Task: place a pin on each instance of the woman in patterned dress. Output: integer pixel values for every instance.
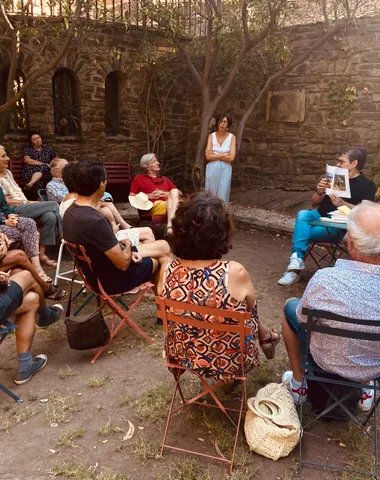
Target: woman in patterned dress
(201, 235)
(37, 159)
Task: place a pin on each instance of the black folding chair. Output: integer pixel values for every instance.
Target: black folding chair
(338, 389)
(5, 329)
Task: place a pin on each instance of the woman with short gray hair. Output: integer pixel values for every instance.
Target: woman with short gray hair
(153, 192)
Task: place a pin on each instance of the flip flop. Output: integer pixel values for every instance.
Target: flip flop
(271, 351)
(54, 293)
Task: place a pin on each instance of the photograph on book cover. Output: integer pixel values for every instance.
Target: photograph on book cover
(338, 181)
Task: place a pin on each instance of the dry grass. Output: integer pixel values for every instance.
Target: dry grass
(108, 428)
(243, 474)
(259, 377)
(109, 474)
(21, 415)
(77, 471)
(60, 408)
(5, 424)
(185, 469)
(143, 449)
(67, 439)
(126, 400)
(153, 404)
(67, 372)
(98, 381)
(361, 457)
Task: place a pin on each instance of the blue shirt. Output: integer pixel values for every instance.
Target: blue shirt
(56, 190)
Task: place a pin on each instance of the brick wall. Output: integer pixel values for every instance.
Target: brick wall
(91, 61)
(273, 154)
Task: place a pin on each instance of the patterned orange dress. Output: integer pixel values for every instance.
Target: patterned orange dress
(210, 354)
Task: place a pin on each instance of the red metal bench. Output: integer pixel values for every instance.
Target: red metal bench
(15, 166)
(119, 173)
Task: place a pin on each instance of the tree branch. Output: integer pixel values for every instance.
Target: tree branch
(70, 33)
(193, 70)
(210, 22)
(287, 68)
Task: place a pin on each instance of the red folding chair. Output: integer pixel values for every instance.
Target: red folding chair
(238, 329)
(114, 302)
(155, 219)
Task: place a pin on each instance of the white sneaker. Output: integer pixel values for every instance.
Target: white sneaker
(366, 402)
(289, 278)
(296, 263)
(299, 394)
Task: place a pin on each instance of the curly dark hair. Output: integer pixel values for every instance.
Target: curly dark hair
(201, 228)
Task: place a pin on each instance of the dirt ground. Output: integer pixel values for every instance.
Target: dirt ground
(75, 415)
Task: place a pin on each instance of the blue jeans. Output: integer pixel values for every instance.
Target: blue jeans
(290, 312)
(304, 233)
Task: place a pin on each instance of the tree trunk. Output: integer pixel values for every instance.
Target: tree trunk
(4, 119)
(198, 169)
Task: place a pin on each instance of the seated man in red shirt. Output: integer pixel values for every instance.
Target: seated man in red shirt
(160, 190)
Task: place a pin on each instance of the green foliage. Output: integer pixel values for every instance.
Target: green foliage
(342, 96)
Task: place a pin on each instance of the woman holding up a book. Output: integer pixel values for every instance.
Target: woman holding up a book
(220, 153)
(361, 188)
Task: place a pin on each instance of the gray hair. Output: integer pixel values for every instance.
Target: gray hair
(2, 147)
(363, 227)
(146, 159)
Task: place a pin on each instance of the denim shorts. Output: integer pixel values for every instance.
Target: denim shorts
(290, 311)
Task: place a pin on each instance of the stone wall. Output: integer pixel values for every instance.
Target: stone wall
(91, 59)
(293, 155)
(273, 154)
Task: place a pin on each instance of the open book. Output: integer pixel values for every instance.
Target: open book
(338, 181)
(339, 216)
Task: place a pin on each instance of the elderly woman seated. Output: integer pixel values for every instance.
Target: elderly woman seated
(160, 190)
(201, 235)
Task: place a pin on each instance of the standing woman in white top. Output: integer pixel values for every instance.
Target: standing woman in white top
(220, 153)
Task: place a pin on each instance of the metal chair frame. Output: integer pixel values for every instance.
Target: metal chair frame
(332, 252)
(6, 328)
(240, 329)
(42, 195)
(155, 219)
(114, 301)
(311, 369)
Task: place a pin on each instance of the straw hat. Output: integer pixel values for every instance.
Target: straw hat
(140, 201)
(272, 427)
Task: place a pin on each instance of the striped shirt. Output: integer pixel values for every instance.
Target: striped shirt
(10, 187)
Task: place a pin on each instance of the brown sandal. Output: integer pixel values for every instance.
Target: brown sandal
(47, 262)
(54, 293)
(271, 351)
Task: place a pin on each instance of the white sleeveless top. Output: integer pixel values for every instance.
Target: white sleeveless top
(224, 148)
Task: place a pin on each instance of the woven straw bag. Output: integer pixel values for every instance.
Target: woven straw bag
(272, 427)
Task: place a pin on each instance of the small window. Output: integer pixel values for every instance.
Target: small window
(112, 103)
(18, 119)
(65, 102)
